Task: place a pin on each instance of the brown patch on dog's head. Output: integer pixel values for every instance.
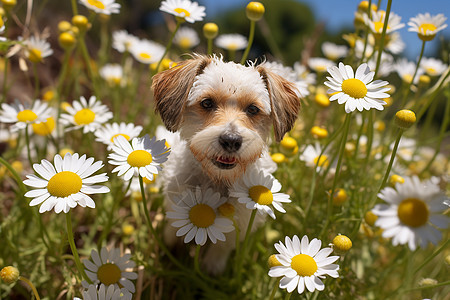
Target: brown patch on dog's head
(171, 89)
(285, 103)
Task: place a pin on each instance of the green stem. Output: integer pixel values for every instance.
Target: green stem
(74, 7)
(250, 41)
(71, 240)
(244, 245)
(31, 285)
(169, 45)
(433, 255)
(383, 34)
(338, 167)
(152, 230)
(275, 289)
(369, 139)
(196, 260)
(391, 161)
(27, 141)
(87, 59)
(59, 96)
(210, 46)
(366, 38)
(16, 176)
(442, 130)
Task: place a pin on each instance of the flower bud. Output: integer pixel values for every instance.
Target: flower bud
(339, 197)
(254, 11)
(9, 274)
(210, 30)
(405, 118)
(9, 4)
(81, 22)
(273, 261)
(288, 146)
(322, 100)
(341, 244)
(64, 26)
(67, 40)
(227, 210)
(370, 218)
(396, 179)
(319, 132)
(278, 157)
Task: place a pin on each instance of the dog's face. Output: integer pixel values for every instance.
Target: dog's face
(225, 111)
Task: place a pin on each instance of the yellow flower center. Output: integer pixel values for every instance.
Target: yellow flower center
(322, 161)
(431, 71)
(182, 12)
(44, 128)
(144, 55)
(413, 212)
(202, 215)
(96, 3)
(304, 265)
(354, 88)
(109, 274)
(139, 158)
(320, 68)
(232, 46)
(35, 55)
(379, 26)
(26, 115)
(407, 78)
(84, 116)
(64, 184)
(424, 28)
(185, 43)
(119, 134)
(261, 195)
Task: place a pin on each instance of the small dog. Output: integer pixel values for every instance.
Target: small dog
(223, 113)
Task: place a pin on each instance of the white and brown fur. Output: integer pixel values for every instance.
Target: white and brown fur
(218, 143)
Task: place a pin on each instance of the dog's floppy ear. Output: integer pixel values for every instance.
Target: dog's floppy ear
(284, 101)
(171, 89)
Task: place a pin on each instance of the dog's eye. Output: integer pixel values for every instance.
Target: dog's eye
(207, 104)
(252, 110)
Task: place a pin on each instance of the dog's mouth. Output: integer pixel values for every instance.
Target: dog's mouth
(225, 162)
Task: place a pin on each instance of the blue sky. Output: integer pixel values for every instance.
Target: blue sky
(337, 13)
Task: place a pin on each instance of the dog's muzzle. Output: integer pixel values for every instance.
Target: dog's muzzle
(230, 142)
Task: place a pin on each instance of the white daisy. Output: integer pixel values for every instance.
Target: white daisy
(386, 66)
(65, 184)
(333, 51)
(303, 74)
(303, 265)
(312, 158)
(319, 64)
(394, 43)
(107, 134)
(231, 42)
(112, 74)
(123, 41)
(36, 49)
(289, 74)
(186, 38)
(356, 90)
(105, 7)
(405, 70)
(110, 268)
(146, 51)
(413, 211)
(376, 22)
(143, 157)
(184, 10)
(258, 190)
(87, 115)
(105, 293)
(197, 217)
(427, 26)
(22, 115)
(433, 66)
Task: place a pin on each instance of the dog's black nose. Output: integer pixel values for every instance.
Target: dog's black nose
(230, 141)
